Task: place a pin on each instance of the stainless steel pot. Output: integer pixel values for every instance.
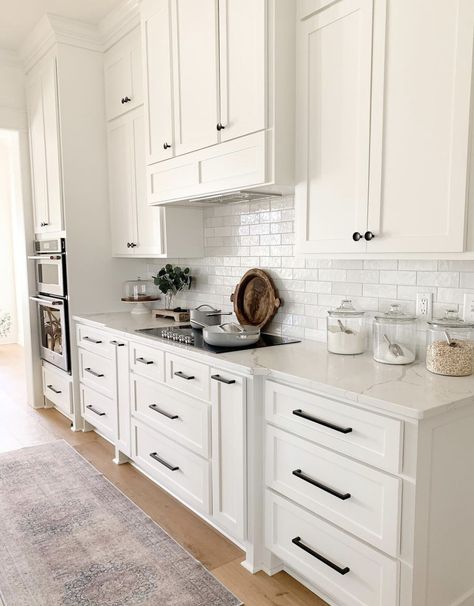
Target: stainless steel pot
(230, 335)
(206, 317)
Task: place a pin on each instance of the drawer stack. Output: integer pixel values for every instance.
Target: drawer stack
(333, 496)
(171, 423)
(97, 373)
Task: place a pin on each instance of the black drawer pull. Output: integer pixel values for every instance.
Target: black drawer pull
(94, 373)
(53, 390)
(222, 379)
(97, 412)
(162, 412)
(143, 361)
(153, 455)
(299, 413)
(181, 375)
(302, 476)
(117, 344)
(297, 541)
(91, 340)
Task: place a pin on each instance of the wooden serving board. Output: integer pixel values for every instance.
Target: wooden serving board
(178, 316)
(255, 298)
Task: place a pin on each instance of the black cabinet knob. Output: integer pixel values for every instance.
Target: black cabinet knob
(356, 236)
(126, 100)
(220, 126)
(132, 244)
(166, 145)
(44, 224)
(369, 236)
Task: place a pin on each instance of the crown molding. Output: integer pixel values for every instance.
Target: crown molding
(119, 22)
(54, 29)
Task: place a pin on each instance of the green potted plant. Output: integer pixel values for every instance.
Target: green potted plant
(172, 280)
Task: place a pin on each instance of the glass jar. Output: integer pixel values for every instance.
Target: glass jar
(394, 337)
(346, 330)
(450, 346)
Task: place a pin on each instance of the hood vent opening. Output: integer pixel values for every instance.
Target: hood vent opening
(243, 195)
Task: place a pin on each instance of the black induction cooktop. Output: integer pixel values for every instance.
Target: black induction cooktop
(186, 335)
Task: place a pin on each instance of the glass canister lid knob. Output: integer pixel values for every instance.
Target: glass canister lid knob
(395, 314)
(346, 308)
(451, 319)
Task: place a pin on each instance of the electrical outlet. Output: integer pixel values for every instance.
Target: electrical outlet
(424, 305)
(468, 307)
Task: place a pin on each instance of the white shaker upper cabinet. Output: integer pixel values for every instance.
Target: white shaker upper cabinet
(333, 126)
(42, 100)
(195, 72)
(423, 53)
(243, 53)
(156, 31)
(123, 76)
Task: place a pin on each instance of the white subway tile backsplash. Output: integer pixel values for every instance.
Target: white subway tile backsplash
(261, 234)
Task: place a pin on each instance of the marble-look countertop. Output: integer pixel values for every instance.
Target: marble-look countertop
(409, 390)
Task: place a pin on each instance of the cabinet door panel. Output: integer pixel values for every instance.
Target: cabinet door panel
(420, 126)
(156, 28)
(53, 158)
(121, 186)
(149, 218)
(195, 74)
(242, 66)
(334, 72)
(37, 153)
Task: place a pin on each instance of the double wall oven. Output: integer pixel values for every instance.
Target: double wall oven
(51, 301)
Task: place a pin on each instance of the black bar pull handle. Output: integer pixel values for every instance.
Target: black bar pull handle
(223, 379)
(91, 340)
(144, 361)
(154, 456)
(298, 542)
(162, 412)
(117, 344)
(53, 389)
(181, 375)
(302, 476)
(97, 412)
(299, 413)
(94, 373)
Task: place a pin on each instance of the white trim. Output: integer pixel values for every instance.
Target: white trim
(119, 22)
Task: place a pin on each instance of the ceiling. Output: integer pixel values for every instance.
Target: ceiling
(18, 17)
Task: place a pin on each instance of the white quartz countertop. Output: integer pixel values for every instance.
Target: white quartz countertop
(409, 390)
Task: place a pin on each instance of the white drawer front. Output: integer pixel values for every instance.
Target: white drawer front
(180, 417)
(372, 577)
(364, 501)
(188, 376)
(147, 361)
(180, 471)
(97, 372)
(369, 437)
(57, 387)
(95, 340)
(98, 410)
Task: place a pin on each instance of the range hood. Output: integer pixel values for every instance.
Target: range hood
(242, 195)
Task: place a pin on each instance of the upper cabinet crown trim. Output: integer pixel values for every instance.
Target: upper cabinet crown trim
(119, 22)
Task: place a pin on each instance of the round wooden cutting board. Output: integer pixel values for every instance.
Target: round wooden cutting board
(255, 298)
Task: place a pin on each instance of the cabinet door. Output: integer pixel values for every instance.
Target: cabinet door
(195, 74)
(423, 62)
(123, 76)
(156, 31)
(242, 66)
(229, 451)
(122, 186)
(149, 219)
(333, 126)
(44, 147)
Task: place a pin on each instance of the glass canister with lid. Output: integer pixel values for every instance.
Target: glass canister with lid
(346, 330)
(450, 346)
(394, 337)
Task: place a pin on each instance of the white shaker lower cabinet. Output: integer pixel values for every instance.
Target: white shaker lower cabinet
(57, 388)
(229, 442)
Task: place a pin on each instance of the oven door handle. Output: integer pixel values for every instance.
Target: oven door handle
(46, 301)
(46, 257)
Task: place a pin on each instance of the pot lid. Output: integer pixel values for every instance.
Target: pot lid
(346, 310)
(451, 319)
(255, 298)
(395, 315)
(209, 308)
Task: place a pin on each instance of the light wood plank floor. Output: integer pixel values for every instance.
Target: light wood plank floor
(22, 426)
